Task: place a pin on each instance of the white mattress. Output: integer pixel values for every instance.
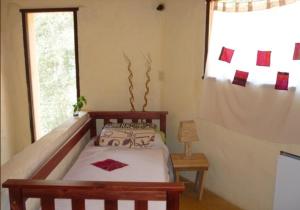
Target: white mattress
(144, 165)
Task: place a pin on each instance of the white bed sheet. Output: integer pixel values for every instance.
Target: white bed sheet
(144, 165)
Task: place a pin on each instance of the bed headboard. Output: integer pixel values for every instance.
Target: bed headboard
(120, 116)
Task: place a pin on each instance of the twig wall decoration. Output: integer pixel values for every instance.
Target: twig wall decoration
(148, 67)
(131, 99)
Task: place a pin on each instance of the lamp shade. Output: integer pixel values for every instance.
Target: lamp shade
(187, 131)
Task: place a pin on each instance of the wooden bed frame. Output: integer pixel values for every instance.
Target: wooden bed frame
(47, 190)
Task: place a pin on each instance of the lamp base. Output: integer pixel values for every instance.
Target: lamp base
(188, 150)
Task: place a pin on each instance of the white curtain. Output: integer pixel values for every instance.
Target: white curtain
(258, 109)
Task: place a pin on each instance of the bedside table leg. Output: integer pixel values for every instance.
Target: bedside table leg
(177, 176)
(197, 180)
(201, 184)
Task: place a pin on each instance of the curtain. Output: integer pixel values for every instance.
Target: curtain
(247, 5)
(243, 87)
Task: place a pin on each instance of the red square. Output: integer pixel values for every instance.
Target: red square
(226, 54)
(282, 82)
(297, 52)
(240, 78)
(109, 164)
(263, 58)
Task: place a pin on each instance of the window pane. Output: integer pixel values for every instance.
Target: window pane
(53, 72)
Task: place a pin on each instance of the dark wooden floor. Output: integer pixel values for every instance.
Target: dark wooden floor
(210, 201)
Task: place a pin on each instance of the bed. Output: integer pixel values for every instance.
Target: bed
(84, 187)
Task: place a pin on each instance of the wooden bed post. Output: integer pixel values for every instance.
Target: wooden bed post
(93, 128)
(173, 200)
(162, 125)
(17, 202)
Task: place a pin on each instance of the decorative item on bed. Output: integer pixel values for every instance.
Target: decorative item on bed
(126, 137)
(130, 135)
(105, 178)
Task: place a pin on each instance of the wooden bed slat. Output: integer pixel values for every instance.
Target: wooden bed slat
(141, 205)
(172, 200)
(134, 116)
(78, 204)
(102, 194)
(93, 128)
(163, 122)
(111, 205)
(16, 199)
(47, 203)
(106, 121)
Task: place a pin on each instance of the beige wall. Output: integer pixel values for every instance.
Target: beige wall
(7, 147)
(110, 28)
(106, 29)
(14, 106)
(242, 168)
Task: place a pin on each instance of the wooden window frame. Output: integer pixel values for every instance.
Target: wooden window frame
(207, 29)
(24, 13)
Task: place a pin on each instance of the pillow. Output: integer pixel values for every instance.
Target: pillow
(143, 137)
(114, 137)
(130, 138)
(142, 125)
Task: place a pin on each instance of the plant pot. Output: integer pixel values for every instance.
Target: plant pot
(76, 114)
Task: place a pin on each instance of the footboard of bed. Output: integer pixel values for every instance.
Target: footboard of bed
(78, 191)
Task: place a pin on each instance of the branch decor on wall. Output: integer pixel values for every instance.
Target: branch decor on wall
(131, 99)
(148, 67)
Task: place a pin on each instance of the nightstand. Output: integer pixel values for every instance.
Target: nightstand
(198, 162)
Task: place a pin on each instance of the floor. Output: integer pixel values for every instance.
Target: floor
(210, 201)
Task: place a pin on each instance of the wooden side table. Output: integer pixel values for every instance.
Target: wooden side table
(198, 162)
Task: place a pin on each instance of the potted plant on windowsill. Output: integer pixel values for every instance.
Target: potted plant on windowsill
(81, 101)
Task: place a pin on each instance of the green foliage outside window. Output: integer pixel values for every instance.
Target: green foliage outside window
(56, 66)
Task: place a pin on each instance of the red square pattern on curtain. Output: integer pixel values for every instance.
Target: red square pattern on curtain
(263, 58)
(282, 82)
(297, 52)
(226, 54)
(240, 78)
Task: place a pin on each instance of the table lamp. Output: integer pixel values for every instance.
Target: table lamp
(187, 133)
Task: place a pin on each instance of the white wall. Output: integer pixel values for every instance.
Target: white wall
(242, 169)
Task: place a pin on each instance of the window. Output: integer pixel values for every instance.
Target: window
(270, 30)
(252, 79)
(51, 58)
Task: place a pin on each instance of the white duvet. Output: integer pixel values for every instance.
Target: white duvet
(143, 165)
